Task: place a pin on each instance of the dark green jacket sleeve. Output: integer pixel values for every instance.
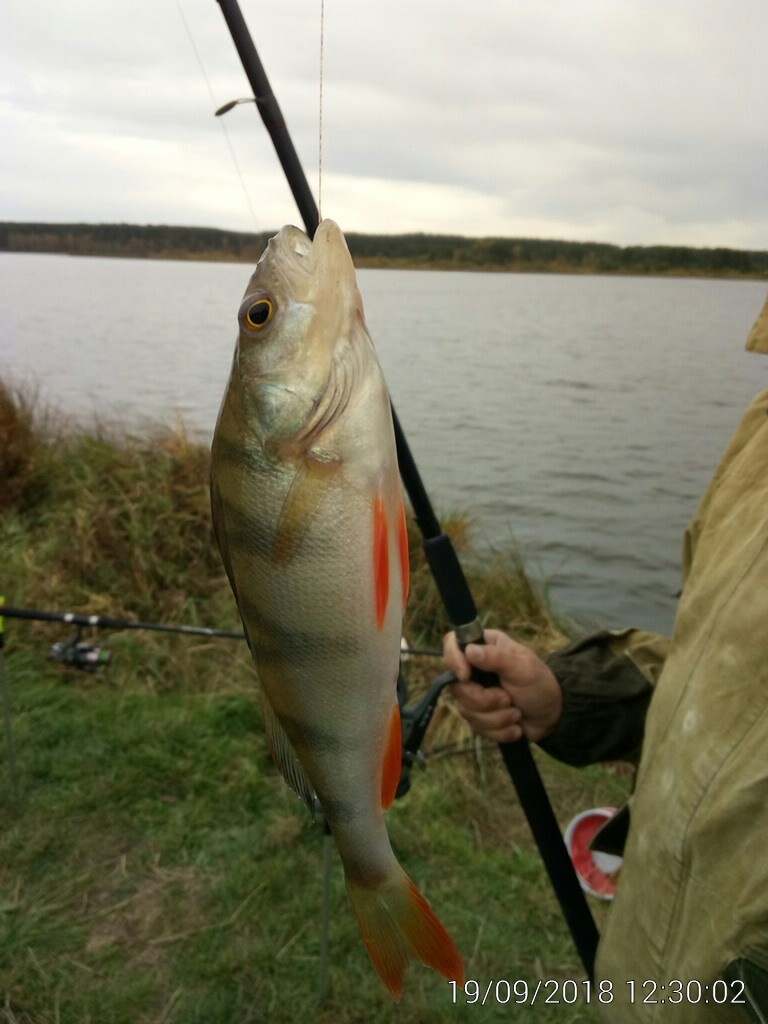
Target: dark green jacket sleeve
(605, 698)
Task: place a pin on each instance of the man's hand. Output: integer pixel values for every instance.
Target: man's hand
(529, 699)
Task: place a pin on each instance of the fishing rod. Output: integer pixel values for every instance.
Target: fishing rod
(441, 556)
(89, 657)
(105, 622)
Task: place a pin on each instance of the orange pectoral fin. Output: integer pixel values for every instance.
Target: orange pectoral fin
(380, 560)
(307, 491)
(393, 760)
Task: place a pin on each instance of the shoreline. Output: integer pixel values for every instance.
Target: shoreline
(368, 263)
(416, 251)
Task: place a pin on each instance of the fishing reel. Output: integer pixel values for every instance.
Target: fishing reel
(416, 718)
(79, 654)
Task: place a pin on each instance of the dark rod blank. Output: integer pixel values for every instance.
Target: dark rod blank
(271, 114)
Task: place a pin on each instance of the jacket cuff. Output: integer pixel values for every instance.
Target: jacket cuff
(605, 701)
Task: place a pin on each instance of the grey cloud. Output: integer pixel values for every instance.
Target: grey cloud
(566, 111)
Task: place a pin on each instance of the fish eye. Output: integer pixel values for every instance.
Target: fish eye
(259, 313)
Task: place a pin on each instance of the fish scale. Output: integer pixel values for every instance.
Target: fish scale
(308, 515)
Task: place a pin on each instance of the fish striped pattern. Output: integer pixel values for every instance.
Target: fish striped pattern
(309, 518)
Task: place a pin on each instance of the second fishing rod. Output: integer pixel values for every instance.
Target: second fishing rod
(440, 553)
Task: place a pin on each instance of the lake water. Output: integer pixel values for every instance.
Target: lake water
(581, 417)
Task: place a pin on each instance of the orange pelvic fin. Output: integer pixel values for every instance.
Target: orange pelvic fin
(380, 560)
(397, 925)
(393, 759)
(402, 540)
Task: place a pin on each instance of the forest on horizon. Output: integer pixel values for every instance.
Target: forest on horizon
(407, 251)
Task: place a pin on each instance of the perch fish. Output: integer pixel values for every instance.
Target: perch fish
(308, 515)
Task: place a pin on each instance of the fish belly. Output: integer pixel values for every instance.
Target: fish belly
(326, 647)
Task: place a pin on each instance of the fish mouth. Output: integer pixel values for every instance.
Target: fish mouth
(306, 265)
(289, 244)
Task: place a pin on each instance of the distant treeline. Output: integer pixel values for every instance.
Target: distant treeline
(446, 252)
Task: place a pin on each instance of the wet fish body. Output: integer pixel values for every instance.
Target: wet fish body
(308, 514)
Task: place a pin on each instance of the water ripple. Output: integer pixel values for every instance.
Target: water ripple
(580, 416)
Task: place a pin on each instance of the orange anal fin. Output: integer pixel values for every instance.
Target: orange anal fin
(380, 560)
(393, 760)
(402, 541)
(398, 925)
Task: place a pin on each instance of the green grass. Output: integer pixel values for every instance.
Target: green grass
(153, 866)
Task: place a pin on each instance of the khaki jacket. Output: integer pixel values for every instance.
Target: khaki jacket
(693, 892)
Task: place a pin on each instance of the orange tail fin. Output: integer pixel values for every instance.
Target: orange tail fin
(398, 925)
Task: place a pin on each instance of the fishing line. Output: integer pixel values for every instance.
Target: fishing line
(441, 555)
(320, 116)
(220, 120)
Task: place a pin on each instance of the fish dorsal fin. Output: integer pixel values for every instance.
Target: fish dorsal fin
(286, 759)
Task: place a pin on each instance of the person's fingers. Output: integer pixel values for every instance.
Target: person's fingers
(474, 697)
(493, 721)
(498, 726)
(508, 735)
(498, 658)
(495, 637)
(454, 658)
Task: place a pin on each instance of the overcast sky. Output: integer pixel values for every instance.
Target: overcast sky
(627, 121)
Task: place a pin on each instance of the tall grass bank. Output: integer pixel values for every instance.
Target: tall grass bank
(153, 866)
